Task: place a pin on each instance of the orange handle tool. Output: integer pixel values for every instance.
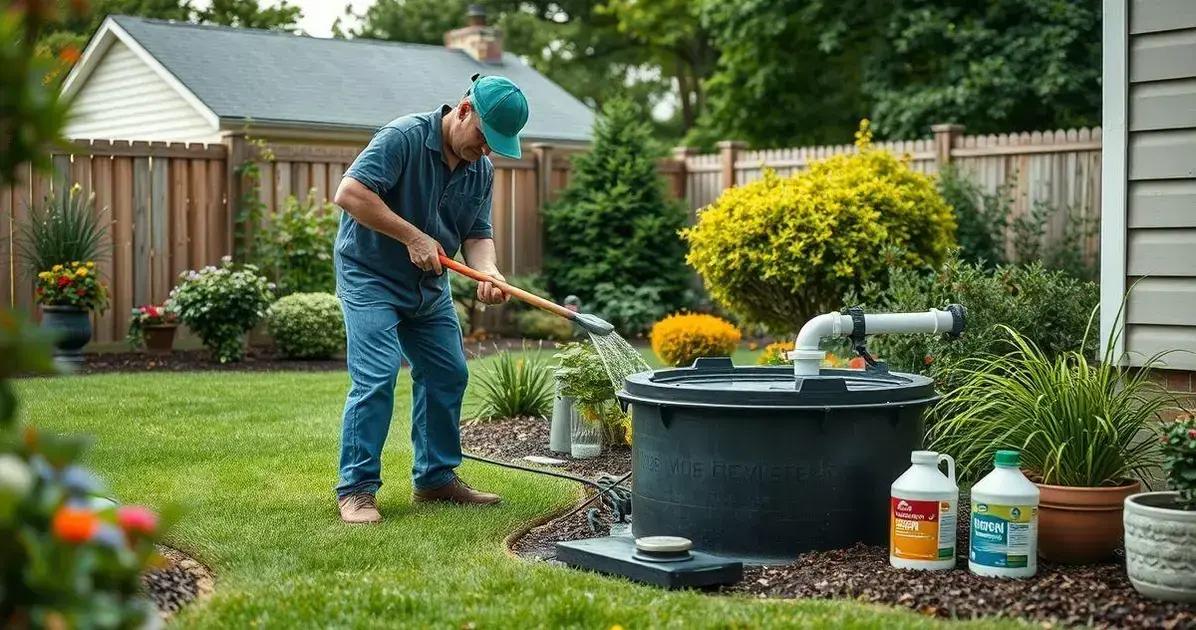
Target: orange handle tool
(530, 298)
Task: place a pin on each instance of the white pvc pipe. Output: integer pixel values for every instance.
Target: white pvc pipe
(807, 358)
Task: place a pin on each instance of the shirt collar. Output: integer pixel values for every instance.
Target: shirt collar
(435, 139)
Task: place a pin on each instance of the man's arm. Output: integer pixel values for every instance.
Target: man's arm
(368, 209)
(480, 254)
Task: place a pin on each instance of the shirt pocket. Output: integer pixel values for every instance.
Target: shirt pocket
(465, 206)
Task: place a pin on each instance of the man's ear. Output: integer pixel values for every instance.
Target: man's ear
(464, 108)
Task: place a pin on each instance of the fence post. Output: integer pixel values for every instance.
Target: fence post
(543, 154)
(730, 152)
(944, 139)
(681, 175)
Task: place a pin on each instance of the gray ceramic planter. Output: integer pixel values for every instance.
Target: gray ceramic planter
(71, 326)
(1160, 547)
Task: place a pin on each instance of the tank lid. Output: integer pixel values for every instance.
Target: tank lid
(716, 382)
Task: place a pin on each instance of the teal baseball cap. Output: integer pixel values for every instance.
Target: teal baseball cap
(503, 110)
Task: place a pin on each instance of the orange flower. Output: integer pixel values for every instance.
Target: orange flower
(70, 54)
(74, 525)
(857, 363)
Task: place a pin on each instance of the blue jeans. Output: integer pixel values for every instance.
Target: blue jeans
(378, 334)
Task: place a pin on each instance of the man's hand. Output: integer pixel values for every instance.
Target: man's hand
(425, 253)
(489, 293)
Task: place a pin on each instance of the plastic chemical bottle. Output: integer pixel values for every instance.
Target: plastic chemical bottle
(923, 505)
(1004, 532)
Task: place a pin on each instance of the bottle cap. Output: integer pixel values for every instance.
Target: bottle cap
(1007, 458)
(924, 457)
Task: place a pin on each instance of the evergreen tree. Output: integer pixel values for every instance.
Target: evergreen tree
(614, 223)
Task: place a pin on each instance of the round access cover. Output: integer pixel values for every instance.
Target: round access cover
(663, 544)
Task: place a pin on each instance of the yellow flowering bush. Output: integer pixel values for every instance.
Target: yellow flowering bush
(783, 249)
(777, 353)
(76, 284)
(679, 339)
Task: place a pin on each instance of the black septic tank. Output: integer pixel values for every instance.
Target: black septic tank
(756, 464)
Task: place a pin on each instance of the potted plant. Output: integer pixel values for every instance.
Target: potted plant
(154, 327)
(1160, 527)
(1085, 431)
(67, 295)
(596, 418)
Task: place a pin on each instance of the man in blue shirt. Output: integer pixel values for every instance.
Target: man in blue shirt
(421, 188)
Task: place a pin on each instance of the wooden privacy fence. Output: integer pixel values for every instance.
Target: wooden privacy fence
(166, 212)
(172, 207)
(1058, 168)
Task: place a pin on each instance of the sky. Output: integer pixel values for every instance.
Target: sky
(318, 15)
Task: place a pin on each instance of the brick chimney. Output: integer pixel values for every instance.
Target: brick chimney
(478, 40)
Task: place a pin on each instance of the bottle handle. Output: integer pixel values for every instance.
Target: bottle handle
(950, 465)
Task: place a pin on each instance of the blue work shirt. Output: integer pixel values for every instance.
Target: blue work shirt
(404, 165)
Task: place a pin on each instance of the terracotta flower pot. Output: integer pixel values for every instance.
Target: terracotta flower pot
(159, 339)
(1081, 525)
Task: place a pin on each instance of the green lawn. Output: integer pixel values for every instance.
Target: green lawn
(251, 458)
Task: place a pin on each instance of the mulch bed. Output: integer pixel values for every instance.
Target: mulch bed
(514, 438)
(257, 359)
(1096, 595)
(180, 582)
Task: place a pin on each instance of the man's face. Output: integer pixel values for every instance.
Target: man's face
(468, 141)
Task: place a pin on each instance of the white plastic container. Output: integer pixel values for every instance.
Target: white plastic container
(1004, 528)
(922, 510)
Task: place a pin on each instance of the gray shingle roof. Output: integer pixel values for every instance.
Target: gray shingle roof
(277, 77)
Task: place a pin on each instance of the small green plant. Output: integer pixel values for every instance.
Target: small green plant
(583, 377)
(1179, 460)
(1077, 423)
(221, 304)
(307, 325)
(61, 231)
(515, 386)
(294, 247)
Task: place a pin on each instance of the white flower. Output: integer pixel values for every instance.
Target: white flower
(15, 477)
(226, 259)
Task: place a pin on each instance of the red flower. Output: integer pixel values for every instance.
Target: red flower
(1192, 434)
(63, 281)
(80, 292)
(74, 525)
(857, 363)
(153, 311)
(135, 519)
(928, 359)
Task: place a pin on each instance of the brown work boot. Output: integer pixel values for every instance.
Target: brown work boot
(359, 507)
(459, 492)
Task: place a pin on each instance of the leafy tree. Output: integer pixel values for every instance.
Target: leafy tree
(250, 14)
(415, 21)
(613, 223)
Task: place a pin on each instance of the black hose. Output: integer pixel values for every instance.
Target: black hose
(603, 489)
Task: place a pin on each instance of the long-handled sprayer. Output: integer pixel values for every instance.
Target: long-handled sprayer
(590, 323)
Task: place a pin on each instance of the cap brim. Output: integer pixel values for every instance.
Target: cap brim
(504, 145)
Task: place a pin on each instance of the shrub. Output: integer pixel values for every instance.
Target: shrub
(515, 386)
(307, 325)
(631, 310)
(679, 339)
(222, 304)
(536, 324)
(61, 231)
(980, 217)
(780, 250)
(583, 377)
(72, 284)
(1066, 251)
(1076, 422)
(1050, 306)
(614, 223)
(294, 247)
(1179, 460)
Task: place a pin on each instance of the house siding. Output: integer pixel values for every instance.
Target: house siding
(125, 99)
(1160, 209)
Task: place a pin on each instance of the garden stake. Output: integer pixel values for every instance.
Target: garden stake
(590, 323)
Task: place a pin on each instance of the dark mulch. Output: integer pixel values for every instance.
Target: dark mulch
(513, 438)
(177, 584)
(257, 359)
(1098, 595)
(540, 542)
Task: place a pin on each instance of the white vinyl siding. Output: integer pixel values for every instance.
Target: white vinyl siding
(125, 99)
(1160, 197)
